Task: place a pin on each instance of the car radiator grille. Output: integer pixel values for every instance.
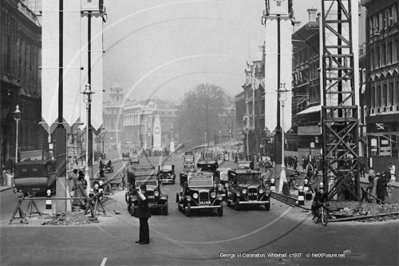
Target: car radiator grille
(252, 191)
(150, 194)
(204, 196)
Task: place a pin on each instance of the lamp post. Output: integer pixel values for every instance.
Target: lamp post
(87, 99)
(282, 94)
(17, 117)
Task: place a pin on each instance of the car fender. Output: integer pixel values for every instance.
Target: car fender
(164, 197)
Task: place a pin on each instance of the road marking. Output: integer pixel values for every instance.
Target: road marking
(103, 262)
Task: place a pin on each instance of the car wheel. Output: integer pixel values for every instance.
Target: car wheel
(127, 196)
(267, 206)
(165, 210)
(237, 204)
(188, 209)
(220, 211)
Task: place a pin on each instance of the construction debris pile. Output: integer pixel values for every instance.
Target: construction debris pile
(70, 218)
(368, 213)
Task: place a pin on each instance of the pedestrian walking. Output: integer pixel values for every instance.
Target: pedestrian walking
(370, 186)
(143, 213)
(381, 187)
(73, 178)
(80, 192)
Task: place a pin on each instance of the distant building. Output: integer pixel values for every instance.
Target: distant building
(20, 43)
(306, 107)
(113, 117)
(138, 126)
(382, 87)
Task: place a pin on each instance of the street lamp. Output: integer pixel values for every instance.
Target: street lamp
(282, 94)
(17, 117)
(87, 99)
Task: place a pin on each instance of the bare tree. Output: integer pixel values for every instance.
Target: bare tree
(202, 110)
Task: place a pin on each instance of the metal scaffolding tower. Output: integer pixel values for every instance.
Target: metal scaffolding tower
(339, 109)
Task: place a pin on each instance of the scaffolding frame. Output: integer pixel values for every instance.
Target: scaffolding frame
(339, 110)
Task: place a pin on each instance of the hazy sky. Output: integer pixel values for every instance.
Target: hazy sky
(167, 47)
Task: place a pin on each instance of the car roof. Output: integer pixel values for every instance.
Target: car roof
(222, 169)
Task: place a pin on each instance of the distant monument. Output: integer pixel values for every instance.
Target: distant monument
(157, 134)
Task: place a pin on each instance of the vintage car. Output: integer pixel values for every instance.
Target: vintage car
(107, 167)
(188, 159)
(134, 158)
(125, 156)
(157, 199)
(199, 193)
(246, 187)
(208, 166)
(166, 174)
(33, 177)
(265, 162)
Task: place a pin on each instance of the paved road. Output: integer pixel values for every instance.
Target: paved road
(204, 239)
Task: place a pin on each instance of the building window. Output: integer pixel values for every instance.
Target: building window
(391, 96)
(371, 59)
(384, 96)
(384, 55)
(377, 57)
(397, 93)
(395, 52)
(390, 59)
(378, 98)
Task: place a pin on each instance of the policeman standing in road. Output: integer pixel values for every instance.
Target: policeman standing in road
(143, 213)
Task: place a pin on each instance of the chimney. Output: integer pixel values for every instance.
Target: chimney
(312, 14)
(297, 25)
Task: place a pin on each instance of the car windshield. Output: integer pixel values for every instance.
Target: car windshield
(200, 182)
(207, 167)
(147, 183)
(166, 167)
(247, 178)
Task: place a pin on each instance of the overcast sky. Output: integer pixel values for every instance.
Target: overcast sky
(168, 47)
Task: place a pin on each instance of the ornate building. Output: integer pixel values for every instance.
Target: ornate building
(382, 82)
(20, 46)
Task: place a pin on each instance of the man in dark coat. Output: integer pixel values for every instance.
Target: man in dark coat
(381, 189)
(143, 213)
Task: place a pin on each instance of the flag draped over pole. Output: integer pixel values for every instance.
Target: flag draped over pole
(75, 64)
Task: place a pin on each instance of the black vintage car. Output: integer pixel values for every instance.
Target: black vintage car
(246, 187)
(166, 174)
(188, 159)
(199, 193)
(156, 199)
(107, 167)
(33, 177)
(208, 166)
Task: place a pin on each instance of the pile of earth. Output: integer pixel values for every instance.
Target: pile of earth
(71, 218)
(370, 212)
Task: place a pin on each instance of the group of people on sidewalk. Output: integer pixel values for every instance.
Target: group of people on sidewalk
(380, 183)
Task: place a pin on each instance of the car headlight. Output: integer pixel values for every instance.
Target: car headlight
(215, 185)
(226, 185)
(195, 195)
(213, 195)
(156, 193)
(261, 191)
(244, 191)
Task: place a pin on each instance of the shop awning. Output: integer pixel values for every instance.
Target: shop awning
(312, 109)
